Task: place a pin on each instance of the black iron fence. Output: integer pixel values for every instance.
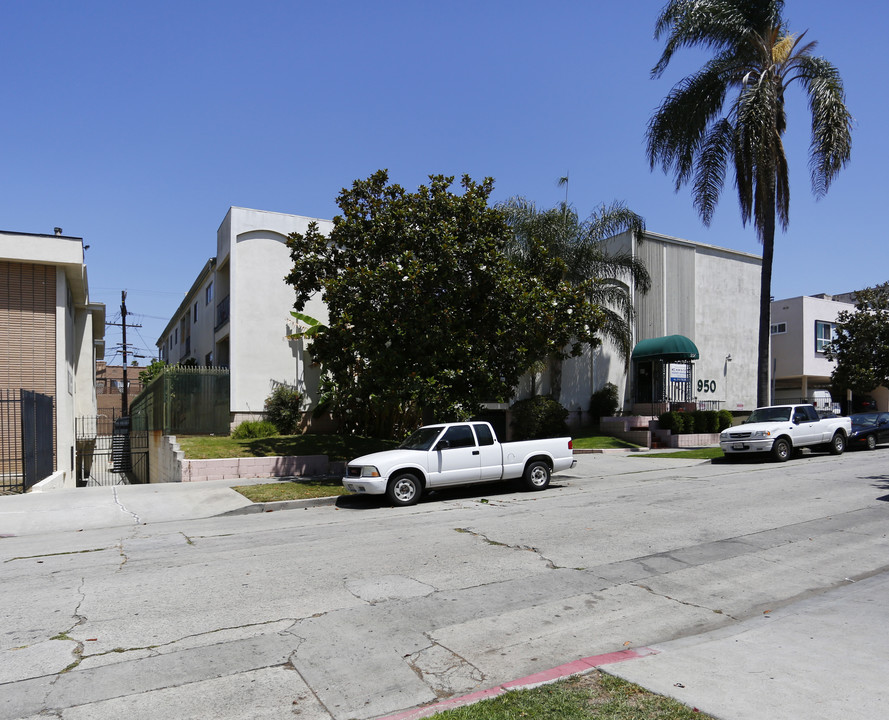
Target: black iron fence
(27, 439)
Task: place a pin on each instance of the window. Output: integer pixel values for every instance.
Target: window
(176, 341)
(208, 294)
(483, 433)
(779, 328)
(195, 312)
(459, 436)
(825, 332)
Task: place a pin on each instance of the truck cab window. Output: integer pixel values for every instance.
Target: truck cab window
(459, 436)
(484, 435)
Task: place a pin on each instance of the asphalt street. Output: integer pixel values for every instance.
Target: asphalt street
(746, 590)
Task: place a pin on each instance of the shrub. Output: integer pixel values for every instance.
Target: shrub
(670, 421)
(254, 429)
(538, 417)
(283, 409)
(697, 421)
(603, 403)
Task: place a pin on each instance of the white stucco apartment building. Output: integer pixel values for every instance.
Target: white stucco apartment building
(51, 334)
(237, 312)
(237, 315)
(700, 293)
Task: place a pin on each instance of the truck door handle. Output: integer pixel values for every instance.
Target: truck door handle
(475, 452)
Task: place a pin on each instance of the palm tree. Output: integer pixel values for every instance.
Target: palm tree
(585, 260)
(733, 111)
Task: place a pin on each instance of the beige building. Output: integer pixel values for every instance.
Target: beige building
(237, 312)
(50, 333)
(801, 328)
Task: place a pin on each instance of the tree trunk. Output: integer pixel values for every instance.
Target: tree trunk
(763, 394)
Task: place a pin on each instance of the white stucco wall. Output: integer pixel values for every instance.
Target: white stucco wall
(727, 323)
(260, 305)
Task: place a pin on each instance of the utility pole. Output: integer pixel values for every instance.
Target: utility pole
(124, 396)
(124, 400)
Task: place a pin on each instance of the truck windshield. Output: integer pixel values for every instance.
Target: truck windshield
(772, 414)
(421, 439)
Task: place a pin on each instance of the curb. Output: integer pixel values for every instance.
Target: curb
(264, 507)
(578, 667)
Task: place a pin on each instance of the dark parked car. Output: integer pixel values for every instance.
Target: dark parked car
(869, 429)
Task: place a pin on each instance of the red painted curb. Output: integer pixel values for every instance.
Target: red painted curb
(542, 678)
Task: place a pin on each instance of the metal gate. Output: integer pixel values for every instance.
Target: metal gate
(27, 442)
(110, 452)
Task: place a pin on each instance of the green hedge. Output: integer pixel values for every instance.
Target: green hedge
(697, 421)
(538, 417)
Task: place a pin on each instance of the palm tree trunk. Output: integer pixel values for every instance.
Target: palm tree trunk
(763, 396)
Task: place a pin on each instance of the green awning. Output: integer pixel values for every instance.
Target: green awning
(669, 348)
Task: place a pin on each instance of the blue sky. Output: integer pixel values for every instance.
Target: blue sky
(137, 125)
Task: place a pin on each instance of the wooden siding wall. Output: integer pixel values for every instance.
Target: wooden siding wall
(28, 327)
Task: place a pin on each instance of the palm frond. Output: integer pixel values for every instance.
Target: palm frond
(831, 144)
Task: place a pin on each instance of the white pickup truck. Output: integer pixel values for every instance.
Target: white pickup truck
(781, 429)
(439, 456)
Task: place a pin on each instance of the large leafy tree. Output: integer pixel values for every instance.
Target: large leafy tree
(732, 113)
(586, 261)
(861, 345)
(426, 310)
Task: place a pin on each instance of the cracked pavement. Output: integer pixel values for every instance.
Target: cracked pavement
(359, 610)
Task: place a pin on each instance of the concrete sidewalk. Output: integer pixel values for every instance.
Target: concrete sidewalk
(116, 506)
(823, 658)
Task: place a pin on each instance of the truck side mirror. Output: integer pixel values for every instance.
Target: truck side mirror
(443, 445)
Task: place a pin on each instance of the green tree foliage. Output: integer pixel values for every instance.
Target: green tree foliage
(732, 112)
(584, 261)
(151, 371)
(426, 311)
(861, 347)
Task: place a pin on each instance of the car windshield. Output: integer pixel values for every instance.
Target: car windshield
(864, 420)
(772, 414)
(421, 439)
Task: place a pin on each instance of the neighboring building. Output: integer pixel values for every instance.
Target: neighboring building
(801, 328)
(110, 388)
(50, 333)
(695, 332)
(237, 312)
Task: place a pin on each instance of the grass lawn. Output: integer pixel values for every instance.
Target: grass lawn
(286, 490)
(588, 439)
(336, 447)
(594, 696)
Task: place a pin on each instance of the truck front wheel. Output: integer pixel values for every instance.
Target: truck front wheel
(536, 476)
(404, 489)
(837, 444)
(781, 450)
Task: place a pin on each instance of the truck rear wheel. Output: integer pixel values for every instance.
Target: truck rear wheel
(536, 476)
(837, 444)
(782, 450)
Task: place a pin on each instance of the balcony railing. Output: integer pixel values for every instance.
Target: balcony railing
(221, 313)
